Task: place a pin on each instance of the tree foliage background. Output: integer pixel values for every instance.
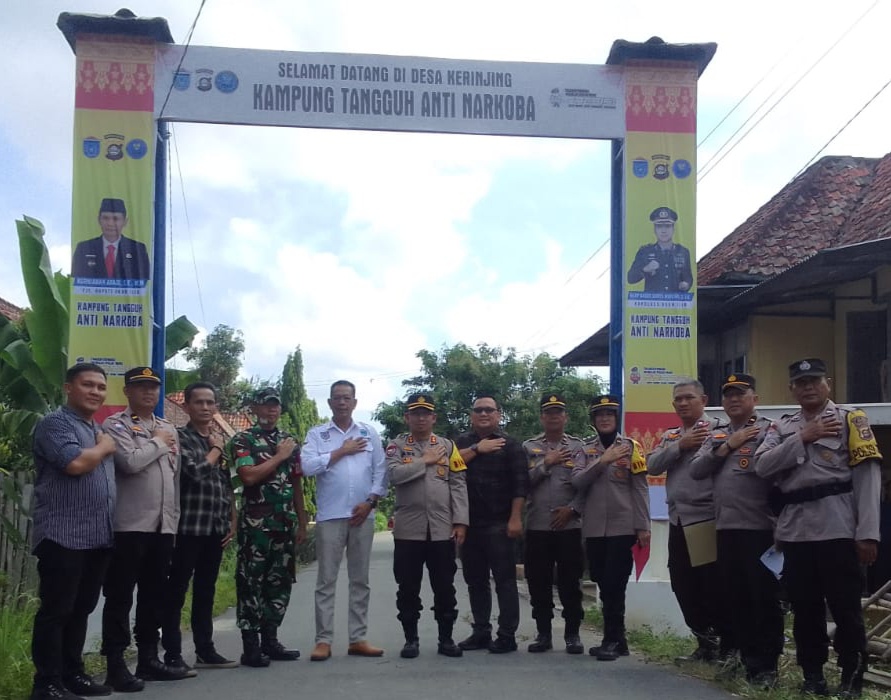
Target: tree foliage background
(457, 375)
(218, 361)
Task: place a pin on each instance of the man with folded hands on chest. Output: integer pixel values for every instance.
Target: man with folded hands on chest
(431, 518)
(553, 527)
(825, 461)
(347, 459)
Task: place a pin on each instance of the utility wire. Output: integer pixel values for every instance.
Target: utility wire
(181, 58)
(189, 228)
(706, 169)
(846, 125)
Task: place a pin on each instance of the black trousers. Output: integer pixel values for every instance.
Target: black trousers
(698, 591)
(752, 597)
(609, 563)
(409, 559)
(818, 574)
(70, 582)
(140, 559)
(195, 559)
(546, 549)
(488, 549)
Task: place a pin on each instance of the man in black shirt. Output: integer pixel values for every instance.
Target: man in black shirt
(497, 484)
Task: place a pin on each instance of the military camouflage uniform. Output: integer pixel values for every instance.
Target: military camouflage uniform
(266, 531)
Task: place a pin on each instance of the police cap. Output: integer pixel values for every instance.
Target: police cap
(141, 374)
(663, 214)
(809, 367)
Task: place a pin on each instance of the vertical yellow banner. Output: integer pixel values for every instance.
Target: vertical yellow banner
(659, 328)
(112, 208)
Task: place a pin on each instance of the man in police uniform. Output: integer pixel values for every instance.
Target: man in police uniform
(147, 463)
(826, 463)
(268, 464)
(744, 527)
(690, 502)
(615, 516)
(664, 265)
(432, 514)
(553, 526)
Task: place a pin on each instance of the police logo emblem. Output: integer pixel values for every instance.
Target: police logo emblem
(205, 79)
(114, 151)
(660, 171)
(440, 471)
(804, 365)
(744, 463)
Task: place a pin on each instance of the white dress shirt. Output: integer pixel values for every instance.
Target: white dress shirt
(352, 478)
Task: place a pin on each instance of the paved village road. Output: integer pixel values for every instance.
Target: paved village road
(478, 675)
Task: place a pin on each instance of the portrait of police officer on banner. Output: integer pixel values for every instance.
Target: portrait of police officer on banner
(663, 266)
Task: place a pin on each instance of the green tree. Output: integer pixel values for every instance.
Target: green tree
(218, 361)
(457, 375)
(299, 414)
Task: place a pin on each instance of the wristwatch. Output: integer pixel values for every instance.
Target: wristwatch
(475, 447)
(371, 501)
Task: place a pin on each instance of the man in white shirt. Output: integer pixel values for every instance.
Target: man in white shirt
(348, 462)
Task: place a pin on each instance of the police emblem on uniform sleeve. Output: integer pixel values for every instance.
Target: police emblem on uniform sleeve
(391, 450)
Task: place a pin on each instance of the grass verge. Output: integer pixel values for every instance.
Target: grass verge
(663, 648)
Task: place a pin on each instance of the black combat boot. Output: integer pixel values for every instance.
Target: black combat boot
(572, 639)
(118, 676)
(271, 647)
(851, 682)
(543, 640)
(412, 646)
(446, 645)
(150, 668)
(706, 649)
(253, 655)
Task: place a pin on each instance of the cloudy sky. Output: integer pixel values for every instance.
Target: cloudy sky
(364, 247)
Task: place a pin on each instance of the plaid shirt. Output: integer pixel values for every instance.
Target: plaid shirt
(205, 489)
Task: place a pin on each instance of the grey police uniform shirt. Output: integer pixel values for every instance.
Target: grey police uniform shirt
(146, 474)
(617, 502)
(429, 498)
(689, 500)
(784, 459)
(551, 486)
(741, 496)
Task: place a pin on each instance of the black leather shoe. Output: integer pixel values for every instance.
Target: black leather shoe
(152, 669)
(703, 654)
(609, 651)
(83, 685)
(447, 647)
(411, 649)
(815, 684)
(503, 645)
(476, 641)
(53, 691)
(542, 643)
(574, 644)
(254, 658)
(120, 679)
(178, 663)
(276, 652)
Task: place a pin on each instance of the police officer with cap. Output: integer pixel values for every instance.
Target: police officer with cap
(616, 515)
(553, 526)
(825, 461)
(744, 525)
(432, 514)
(664, 265)
(691, 503)
(147, 467)
(272, 521)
